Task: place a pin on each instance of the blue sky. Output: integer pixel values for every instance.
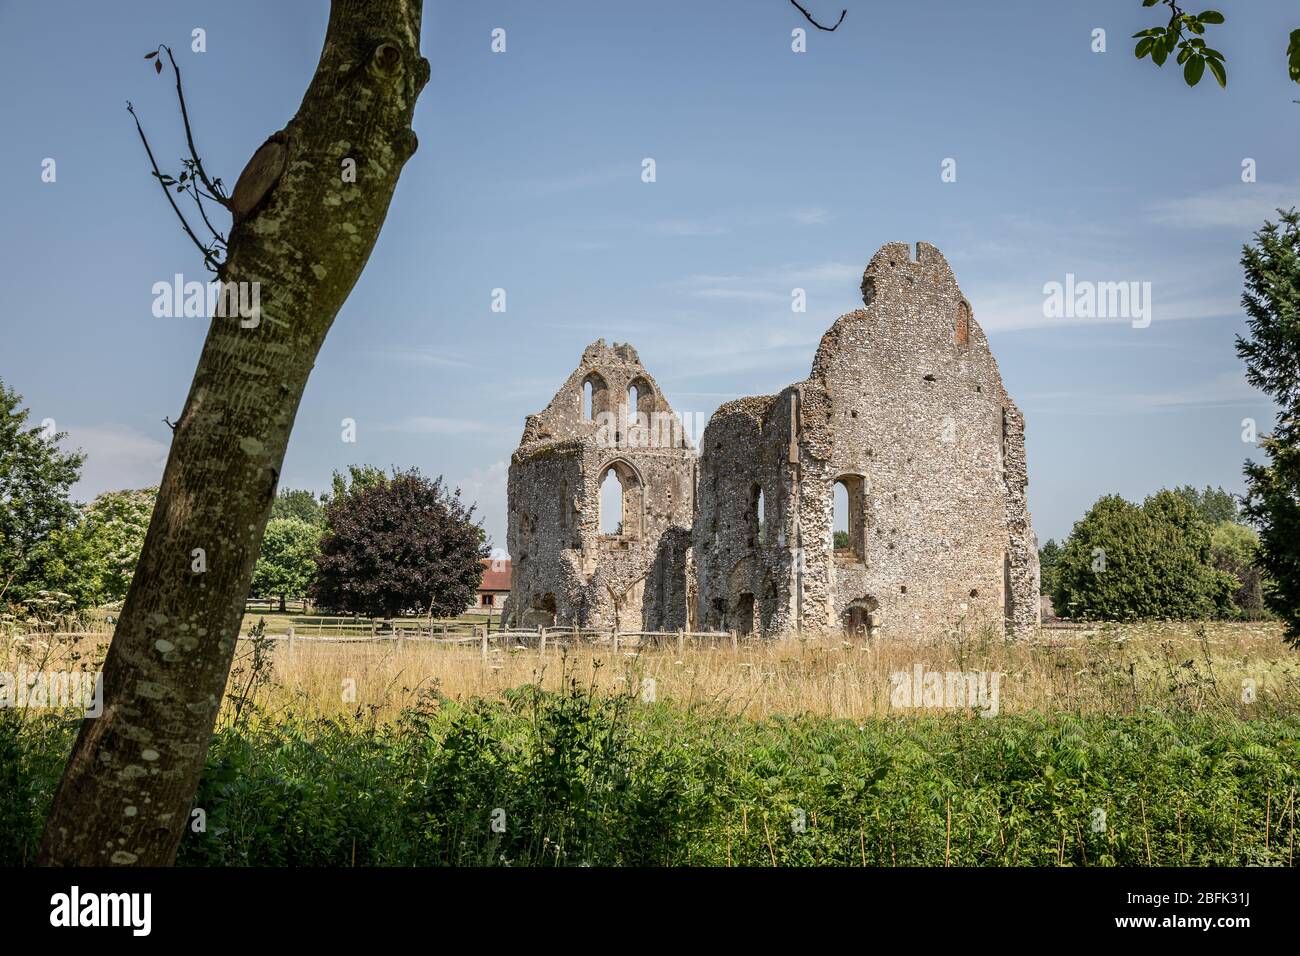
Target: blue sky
(775, 170)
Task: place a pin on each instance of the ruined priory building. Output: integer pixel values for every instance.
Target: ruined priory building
(904, 412)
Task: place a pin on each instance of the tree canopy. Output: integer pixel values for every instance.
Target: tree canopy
(1272, 356)
(286, 566)
(114, 529)
(1124, 561)
(300, 504)
(1214, 505)
(37, 515)
(400, 544)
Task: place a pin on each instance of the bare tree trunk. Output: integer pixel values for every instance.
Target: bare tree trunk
(303, 231)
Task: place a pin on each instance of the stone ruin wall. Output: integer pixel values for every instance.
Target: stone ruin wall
(904, 406)
(565, 571)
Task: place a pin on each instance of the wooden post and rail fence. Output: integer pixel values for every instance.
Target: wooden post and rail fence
(469, 633)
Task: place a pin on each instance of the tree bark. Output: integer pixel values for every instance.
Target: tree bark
(303, 233)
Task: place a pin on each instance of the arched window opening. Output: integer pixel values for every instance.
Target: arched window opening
(611, 504)
(762, 530)
(640, 411)
(595, 396)
(640, 396)
(620, 502)
(841, 523)
(849, 525)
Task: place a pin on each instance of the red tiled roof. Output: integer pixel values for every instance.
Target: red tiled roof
(496, 575)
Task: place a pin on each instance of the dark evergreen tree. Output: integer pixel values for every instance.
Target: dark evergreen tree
(1272, 356)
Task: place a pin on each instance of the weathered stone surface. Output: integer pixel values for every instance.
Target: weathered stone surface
(566, 571)
(904, 406)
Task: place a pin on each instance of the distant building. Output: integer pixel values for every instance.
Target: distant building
(494, 588)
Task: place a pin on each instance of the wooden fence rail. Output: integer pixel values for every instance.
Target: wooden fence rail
(469, 633)
(540, 638)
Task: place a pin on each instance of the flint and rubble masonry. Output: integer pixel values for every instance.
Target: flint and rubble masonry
(904, 407)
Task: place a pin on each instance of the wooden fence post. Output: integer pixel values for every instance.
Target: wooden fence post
(615, 642)
(541, 642)
(291, 635)
(735, 641)
(484, 645)
(681, 640)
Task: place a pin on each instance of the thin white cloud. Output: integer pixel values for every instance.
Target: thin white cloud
(577, 182)
(775, 285)
(423, 357)
(1238, 206)
(1227, 389)
(739, 294)
(812, 216)
(1010, 306)
(689, 227)
(433, 425)
(117, 457)
(719, 225)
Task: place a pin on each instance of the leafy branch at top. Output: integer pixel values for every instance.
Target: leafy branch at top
(193, 179)
(1193, 55)
(1184, 33)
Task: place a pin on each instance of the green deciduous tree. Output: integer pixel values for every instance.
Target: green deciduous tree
(1126, 562)
(37, 517)
(1272, 356)
(114, 528)
(287, 565)
(1214, 505)
(358, 478)
(1236, 550)
(300, 504)
(406, 544)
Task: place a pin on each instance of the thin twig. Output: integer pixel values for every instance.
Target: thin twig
(194, 191)
(208, 257)
(189, 137)
(808, 16)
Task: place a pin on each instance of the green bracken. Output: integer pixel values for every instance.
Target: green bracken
(576, 778)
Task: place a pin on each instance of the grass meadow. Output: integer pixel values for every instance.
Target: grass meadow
(1153, 744)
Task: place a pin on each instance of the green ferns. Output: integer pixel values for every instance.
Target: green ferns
(580, 779)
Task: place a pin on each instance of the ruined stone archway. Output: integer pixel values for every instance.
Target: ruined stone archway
(638, 411)
(633, 499)
(743, 613)
(861, 617)
(593, 397)
(541, 613)
(849, 544)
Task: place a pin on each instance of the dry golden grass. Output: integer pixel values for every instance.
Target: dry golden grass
(1111, 669)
